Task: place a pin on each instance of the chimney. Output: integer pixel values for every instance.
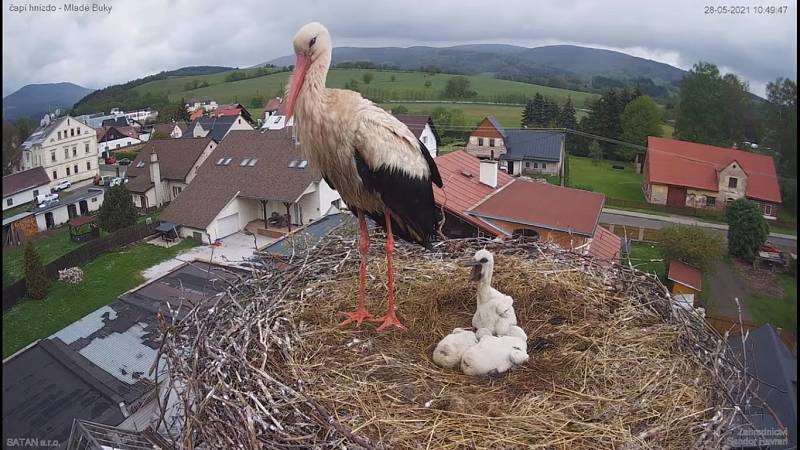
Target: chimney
(155, 177)
(489, 173)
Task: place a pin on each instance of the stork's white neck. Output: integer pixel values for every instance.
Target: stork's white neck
(485, 284)
(313, 87)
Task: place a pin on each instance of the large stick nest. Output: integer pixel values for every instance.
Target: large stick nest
(611, 364)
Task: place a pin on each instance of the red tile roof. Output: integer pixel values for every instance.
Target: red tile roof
(415, 123)
(693, 165)
(545, 205)
(605, 246)
(462, 189)
(227, 110)
(273, 104)
(685, 275)
(196, 114)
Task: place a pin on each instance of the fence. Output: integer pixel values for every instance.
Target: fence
(80, 256)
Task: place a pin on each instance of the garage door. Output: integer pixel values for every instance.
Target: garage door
(676, 196)
(228, 225)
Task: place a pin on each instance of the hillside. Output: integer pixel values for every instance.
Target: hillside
(34, 100)
(407, 86)
(569, 66)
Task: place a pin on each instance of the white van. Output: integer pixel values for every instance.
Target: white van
(44, 198)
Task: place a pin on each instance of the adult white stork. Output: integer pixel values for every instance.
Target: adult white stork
(378, 166)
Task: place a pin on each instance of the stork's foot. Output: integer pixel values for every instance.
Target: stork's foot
(390, 320)
(357, 316)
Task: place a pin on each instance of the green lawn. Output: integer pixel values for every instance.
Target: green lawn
(105, 279)
(780, 312)
(50, 248)
(622, 184)
(667, 130)
(11, 212)
(646, 258)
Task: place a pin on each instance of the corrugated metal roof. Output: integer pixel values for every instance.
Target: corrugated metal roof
(496, 124)
(533, 144)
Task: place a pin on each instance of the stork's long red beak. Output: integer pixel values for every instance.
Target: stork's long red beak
(300, 69)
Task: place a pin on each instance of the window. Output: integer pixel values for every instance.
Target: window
(88, 165)
(244, 162)
(711, 202)
(35, 192)
(528, 165)
(302, 164)
(72, 132)
(293, 163)
(86, 147)
(94, 199)
(176, 190)
(74, 151)
(227, 161)
(59, 135)
(221, 160)
(55, 175)
(480, 142)
(140, 164)
(197, 235)
(252, 162)
(544, 165)
(117, 145)
(424, 139)
(491, 142)
(52, 156)
(67, 171)
(76, 168)
(535, 165)
(733, 182)
(66, 153)
(27, 156)
(9, 202)
(728, 201)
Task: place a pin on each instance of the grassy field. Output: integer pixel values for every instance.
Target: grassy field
(406, 85)
(646, 258)
(50, 248)
(509, 116)
(622, 184)
(104, 279)
(780, 312)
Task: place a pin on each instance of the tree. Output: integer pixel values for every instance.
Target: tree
(351, 85)
(527, 114)
(35, 276)
(399, 109)
(174, 112)
(392, 78)
(458, 87)
(367, 77)
(428, 83)
(781, 124)
(690, 244)
(11, 147)
(447, 118)
(747, 229)
(118, 210)
(641, 118)
(566, 118)
(538, 116)
(257, 102)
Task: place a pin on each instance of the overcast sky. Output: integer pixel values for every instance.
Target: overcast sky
(142, 37)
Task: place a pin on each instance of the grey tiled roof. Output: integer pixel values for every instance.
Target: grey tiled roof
(497, 125)
(533, 144)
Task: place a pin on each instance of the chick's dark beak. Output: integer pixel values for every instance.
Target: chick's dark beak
(477, 269)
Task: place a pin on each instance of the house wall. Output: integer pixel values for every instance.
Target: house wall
(534, 167)
(248, 210)
(61, 214)
(658, 194)
(678, 288)
(200, 160)
(20, 198)
(170, 189)
(117, 144)
(698, 198)
(429, 139)
(51, 155)
(732, 171)
(240, 124)
(486, 131)
(151, 198)
(562, 239)
(187, 232)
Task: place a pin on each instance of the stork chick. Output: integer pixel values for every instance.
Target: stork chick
(449, 350)
(494, 355)
(495, 310)
(377, 164)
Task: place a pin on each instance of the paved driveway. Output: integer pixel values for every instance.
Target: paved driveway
(234, 250)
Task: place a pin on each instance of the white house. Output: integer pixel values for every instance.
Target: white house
(208, 104)
(96, 120)
(164, 168)
(423, 128)
(115, 138)
(249, 178)
(66, 149)
(142, 115)
(22, 187)
(68, 208)
(215, 127)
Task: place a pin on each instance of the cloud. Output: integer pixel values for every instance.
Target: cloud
(142, 37)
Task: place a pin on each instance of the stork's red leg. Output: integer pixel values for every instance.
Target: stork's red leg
(361, 313)
(390, 318)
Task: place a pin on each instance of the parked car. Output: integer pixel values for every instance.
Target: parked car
(49, 203)
(42, 198)
(61, 185)
(124, 161)
(115, 182)
(111, 160)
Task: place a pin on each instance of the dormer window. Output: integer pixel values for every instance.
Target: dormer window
(252, 162)
(221, 160)
(245, 162)
(302, 164)
(140, 164)
(226, 162)
(733, 182)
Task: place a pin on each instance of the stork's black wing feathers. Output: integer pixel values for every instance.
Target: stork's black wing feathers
(328, 180)
(410, 199)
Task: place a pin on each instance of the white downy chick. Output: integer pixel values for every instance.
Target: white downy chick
(494, 355)
(494, 310)
(449, 350)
